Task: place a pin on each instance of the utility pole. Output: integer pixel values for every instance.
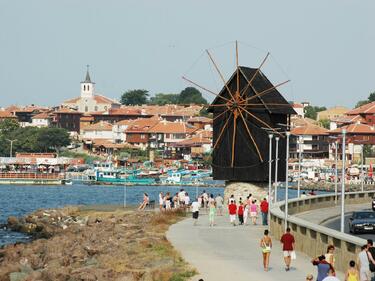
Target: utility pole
(342, 222)
(270, 136)
(300, 140)
(336, 169)
(286, 181)
(11, 147)
(276, 167)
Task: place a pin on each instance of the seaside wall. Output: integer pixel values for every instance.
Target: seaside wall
(313, 239)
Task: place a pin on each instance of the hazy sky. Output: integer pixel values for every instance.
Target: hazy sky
(327, 48)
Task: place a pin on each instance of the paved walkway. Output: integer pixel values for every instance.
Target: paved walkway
(225, 252)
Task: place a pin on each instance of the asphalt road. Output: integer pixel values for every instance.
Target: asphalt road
(335, 224)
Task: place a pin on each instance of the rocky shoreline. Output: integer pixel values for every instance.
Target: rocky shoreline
(72, 244)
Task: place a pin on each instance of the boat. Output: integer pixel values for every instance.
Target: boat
(115, 177)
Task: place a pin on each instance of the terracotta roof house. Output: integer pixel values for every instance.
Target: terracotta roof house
(40, 120)
(89, 100)
(201, 122)
(138, 132)
(114, 115)
(366, 111)
(68, 119)
(5, 114)
(311, 140)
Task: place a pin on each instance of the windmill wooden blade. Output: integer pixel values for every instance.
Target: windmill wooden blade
(204, 88)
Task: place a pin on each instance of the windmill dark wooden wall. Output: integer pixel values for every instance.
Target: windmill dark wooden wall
(248, 164)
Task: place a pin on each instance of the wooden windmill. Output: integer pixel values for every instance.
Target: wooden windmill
(245, 111)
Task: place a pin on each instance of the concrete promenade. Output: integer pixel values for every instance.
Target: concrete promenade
(225, 252)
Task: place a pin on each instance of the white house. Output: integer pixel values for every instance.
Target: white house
(100, 130)
(41, 120)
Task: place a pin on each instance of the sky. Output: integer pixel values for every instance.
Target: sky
(326, 48)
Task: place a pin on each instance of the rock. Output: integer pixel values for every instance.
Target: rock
(243, 189)
(18, 276)
(34, 276)
(13, 221)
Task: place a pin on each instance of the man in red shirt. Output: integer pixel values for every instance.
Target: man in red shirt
(288, 247)
(232, 207)
(264, 211)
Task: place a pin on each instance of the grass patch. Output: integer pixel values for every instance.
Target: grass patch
(182, 276)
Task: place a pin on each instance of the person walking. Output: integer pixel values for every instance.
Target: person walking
(288, 248)
(323, 267)
(264, 211)
(330, 258)
(181, 198)
(195, 211)
(352, 273)
(167, 200)
(161, 201)
(232, 208)
(371, 250)
(364, 259)
(219, 204)
(240, 212)
(254, 212)
(245, 213)
(187, 200)
(266, 245)
(211, 210)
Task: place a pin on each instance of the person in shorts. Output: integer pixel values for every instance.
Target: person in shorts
(288, 248)
(232, 208)
(195, 211)
(219, 204)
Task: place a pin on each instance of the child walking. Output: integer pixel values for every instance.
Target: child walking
(240, 212)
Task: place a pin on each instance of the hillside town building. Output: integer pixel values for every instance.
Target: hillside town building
(89, 100)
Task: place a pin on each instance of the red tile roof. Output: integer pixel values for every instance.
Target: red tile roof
(346, 119)
(310, 130)
(124, 111)
(43, 115)
(6, 114)
(364, 109)
(355, 129)
(141, 125)
(194, 141)
(200, 119)
(65, 110)
(100, 126)
(172, 128)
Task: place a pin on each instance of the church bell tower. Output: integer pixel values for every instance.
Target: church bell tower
(87, 87)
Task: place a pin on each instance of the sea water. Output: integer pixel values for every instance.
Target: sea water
(16, 200)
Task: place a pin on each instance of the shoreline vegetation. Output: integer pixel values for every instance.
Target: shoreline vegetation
(94, 243)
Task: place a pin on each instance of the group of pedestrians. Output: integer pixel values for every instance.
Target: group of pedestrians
(245, 209)
(168, 201)
(360, 270)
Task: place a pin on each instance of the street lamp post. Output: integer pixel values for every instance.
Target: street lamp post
(276, 167)
(336, 173)
(343, 183)
(270, 136)
(299, 166)
(11, 147)
(362, 175)
(286, 181)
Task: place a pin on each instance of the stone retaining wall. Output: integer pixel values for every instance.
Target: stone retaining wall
(313, 239)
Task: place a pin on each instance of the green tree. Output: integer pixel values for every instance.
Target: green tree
(312, 111)
(8, 125)
(134, 97)
(191, 95)
(324, 123)
(162, 99)
(370, 98)
(52, 139)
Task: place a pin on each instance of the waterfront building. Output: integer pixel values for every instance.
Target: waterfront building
(314, 143)
(68, 119)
